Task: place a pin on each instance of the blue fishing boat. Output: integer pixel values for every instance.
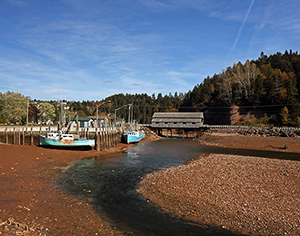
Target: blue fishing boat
(65, 140)
(133, 136)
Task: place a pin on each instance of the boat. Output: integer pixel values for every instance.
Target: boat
(65, 140)
(133, 136)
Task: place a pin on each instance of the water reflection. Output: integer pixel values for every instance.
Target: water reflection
(109, 184)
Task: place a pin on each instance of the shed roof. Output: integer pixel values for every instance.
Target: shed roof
(178, 115)
(84, 119)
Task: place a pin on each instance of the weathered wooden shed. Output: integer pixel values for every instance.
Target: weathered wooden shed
(177, 120)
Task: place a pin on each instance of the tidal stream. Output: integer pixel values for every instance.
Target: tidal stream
(109, 184)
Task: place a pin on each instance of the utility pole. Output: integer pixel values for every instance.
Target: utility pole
(97, 110)
(27, 115)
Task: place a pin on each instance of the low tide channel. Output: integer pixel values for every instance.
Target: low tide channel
(109, 184)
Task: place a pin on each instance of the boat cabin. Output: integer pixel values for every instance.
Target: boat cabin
(52, 135)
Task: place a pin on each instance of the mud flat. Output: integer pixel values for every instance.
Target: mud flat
(254, 195)
(31, 203)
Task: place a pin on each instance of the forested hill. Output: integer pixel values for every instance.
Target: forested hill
(269, 80)
(268, 86)
(264, 90)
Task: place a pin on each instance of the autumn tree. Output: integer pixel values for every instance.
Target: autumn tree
(284, 115)
(226, 87)
(14, 106)
(245, 76)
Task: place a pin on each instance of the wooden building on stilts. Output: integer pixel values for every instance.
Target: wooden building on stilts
(180, 122)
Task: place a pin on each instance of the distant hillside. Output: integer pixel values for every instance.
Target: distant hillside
(258, 92)
(265, 88)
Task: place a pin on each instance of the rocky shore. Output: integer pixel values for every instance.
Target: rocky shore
(255, 195)
(252, 138)
(258, 131)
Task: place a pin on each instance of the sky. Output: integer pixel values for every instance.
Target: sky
(92, 49)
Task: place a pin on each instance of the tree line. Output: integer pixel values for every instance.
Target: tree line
(268, 88)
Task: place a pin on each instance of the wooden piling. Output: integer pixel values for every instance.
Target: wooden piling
(109, 139)
(19, 137)
(106, 139)
(6, 136)
(23, 136)
(97, 140)
(14, 137)
(31, 137)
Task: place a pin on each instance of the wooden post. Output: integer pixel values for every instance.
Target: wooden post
(77, 125)
(106, 139)
(31, 137)
(109, 139)
(6, 136)
(98, 140)
(115, 138)
(23, 136)
(101, 139)
(19, 137)
(14, 136)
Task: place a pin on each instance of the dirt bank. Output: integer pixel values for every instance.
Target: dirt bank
(281, 144)
(254, 195)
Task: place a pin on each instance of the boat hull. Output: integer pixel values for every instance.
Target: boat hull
(66, 143)
(133, 138)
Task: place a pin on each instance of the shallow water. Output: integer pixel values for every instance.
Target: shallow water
(109, 184)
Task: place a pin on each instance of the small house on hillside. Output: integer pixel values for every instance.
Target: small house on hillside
(83, 122)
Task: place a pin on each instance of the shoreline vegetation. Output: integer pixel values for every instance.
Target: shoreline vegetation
(252, 195)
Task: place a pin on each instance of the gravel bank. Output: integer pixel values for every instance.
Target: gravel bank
(256, 195)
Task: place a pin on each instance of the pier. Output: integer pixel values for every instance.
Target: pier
(19, 135)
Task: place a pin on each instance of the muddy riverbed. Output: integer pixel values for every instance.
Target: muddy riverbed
(33, 202)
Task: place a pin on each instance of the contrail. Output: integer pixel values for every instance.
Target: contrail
(241, 28)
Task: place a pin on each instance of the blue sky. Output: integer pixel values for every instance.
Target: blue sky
(91, 49)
